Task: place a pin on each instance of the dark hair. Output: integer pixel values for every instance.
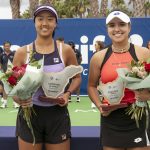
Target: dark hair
(101, 44)
(147, 44)
(60, 39)
(7, 42)
(72, 44)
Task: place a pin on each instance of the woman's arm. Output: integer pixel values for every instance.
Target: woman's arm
(69, 58)
(142, 53)
(93, 79)
(20, 56)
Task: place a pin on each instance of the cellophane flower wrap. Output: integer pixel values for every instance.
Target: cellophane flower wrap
(23, 81)
(137, 77)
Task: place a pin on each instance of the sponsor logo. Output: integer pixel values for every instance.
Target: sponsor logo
(63, 137)
(56, 60)
(137, 140)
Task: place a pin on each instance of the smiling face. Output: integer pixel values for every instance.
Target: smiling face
(118, 30)
(45, 24)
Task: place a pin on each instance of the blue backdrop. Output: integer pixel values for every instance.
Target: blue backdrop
(83, 32)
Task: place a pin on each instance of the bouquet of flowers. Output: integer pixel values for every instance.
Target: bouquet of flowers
(137, 77)
(23, 81)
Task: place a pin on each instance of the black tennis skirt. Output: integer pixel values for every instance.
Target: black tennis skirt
(118, 130)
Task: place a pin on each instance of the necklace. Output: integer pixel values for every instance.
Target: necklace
(120, 59)
(123, 50)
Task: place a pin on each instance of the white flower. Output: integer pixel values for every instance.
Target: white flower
(142, 74)
(135, 69)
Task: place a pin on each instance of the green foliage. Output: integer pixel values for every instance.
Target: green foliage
(147, 8)
(67, 8)
(147, 5)
(26, 14)
(80, 8)
(120, 4)
(117, 3)
(71, 8)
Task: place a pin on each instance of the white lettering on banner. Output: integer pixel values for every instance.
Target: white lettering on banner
(14, 47)
(97, 38)
(136, 39)
(84, 39)
(85, 47)
(85, 72)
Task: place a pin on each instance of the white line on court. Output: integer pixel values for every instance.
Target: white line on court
(80, 110)
(12, 111)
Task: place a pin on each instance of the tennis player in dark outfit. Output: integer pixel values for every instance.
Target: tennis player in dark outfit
(51, 124)
(118, 130)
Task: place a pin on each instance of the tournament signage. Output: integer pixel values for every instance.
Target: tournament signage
(84, 32)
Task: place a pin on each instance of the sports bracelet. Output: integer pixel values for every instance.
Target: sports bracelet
(68, 92)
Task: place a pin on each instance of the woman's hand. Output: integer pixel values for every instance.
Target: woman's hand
(64, 99)
(106, 109)
(23, 103)
(103, 111)
(142, 95)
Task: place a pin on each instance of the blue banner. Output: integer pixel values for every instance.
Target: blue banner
(84, 32)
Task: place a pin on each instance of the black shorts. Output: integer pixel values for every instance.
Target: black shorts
(50, 124)
(118, 130)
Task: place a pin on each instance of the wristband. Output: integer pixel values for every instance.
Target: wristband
(68, 92)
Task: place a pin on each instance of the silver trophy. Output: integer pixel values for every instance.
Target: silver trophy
(112, 91)
(54, 83)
